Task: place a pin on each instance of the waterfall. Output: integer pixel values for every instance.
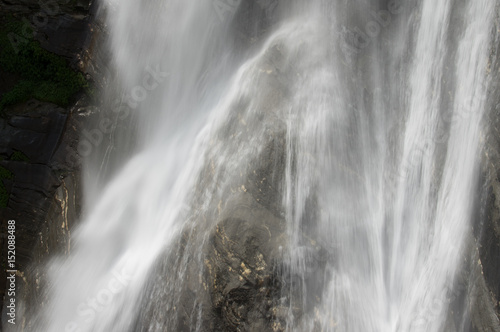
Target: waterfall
(366, 118)
(394, 187)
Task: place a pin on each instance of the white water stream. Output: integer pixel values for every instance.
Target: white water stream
(383, 131)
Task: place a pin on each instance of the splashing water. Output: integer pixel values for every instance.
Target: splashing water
(381, 112)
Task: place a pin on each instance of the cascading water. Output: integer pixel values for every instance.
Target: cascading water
(374, 135)
(394, 188)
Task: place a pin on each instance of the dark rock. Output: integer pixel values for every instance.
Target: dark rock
(485, 285)
(243, 265)
(225, 269)
(44, 194)
(66, 35)
(35, 131)
(62, 27)
(45, 191)
(255, 17)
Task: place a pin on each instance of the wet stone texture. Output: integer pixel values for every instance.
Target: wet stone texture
(484, 284)
(243, 268)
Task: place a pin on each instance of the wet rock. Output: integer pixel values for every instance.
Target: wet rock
(39, 143)
(254, 17)
(224, 273)
(484, 304)
(62, 27)
(243, 265)
(44, 192)
(485, 300)
(33, 128)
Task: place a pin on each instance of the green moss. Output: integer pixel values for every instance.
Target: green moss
(19, 156)
(4, 195)
(45, 76)
(21, 92)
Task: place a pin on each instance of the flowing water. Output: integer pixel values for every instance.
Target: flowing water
(380, 106)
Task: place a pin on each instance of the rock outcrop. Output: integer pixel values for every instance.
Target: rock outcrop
(44, 193)
(484, 289)
(61, 27)
(478, 283)
(38, 142)
(225, 271)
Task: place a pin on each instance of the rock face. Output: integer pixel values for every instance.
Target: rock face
(244, 253)
(243, 266)
(35, 130)
(234, 285)
(489, 250)
(485, 263)
(225, 271)
(62, 27)
(43, 191)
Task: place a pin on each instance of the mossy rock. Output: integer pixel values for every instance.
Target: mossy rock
(19, 156)
(44, 75)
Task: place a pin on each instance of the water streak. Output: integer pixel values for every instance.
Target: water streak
(382, 133)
